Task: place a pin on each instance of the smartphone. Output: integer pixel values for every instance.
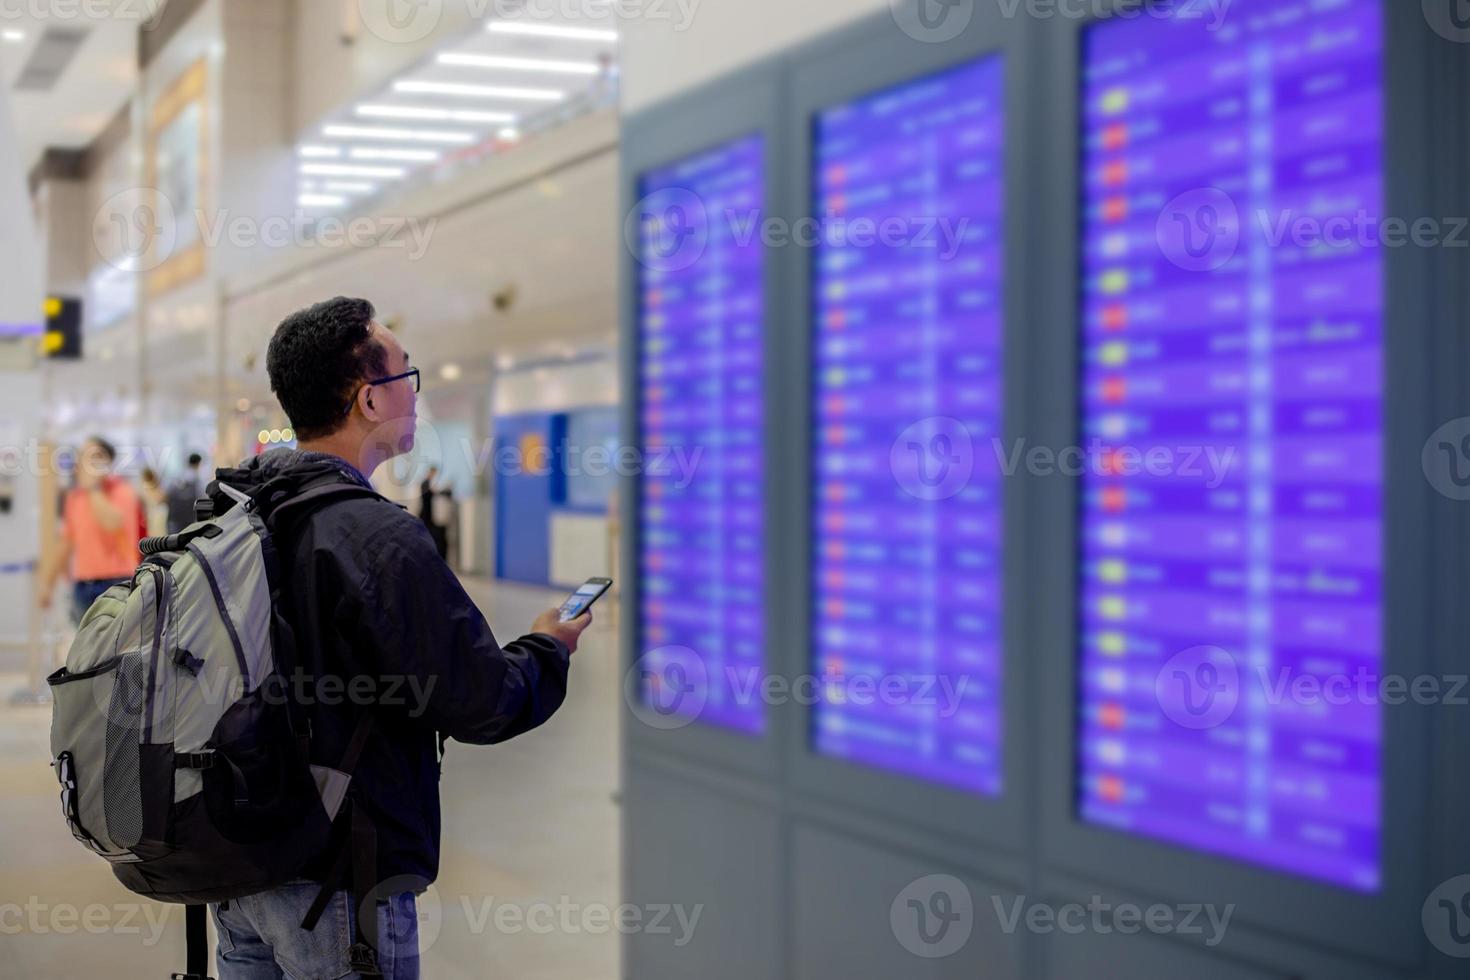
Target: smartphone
(580, 601)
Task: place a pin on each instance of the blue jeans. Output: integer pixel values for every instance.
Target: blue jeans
(260, 937)
(86, 593)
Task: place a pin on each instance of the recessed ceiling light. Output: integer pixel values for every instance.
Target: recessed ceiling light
(13, 36)
(350, 170)
(320, 151)
(509, 133)
(397, 135)
(479, 91)
(450, 372)
(519, 64)
(349, 186)
(321, 200)
(373, 153)
(436, 115)
(551, 30)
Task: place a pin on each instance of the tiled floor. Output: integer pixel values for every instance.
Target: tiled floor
(529, 870)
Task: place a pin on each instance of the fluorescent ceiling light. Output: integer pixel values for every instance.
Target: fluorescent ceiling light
(321, 200)
(437, 115)
(480, 91)
(397, 135)
(320, 151)
(373, 153)
(13, 37)
(520, 64)
(350, 186)
(509, 133)
(551, 30)
(349, 170)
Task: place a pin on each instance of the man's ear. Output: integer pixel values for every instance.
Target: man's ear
(365, 402)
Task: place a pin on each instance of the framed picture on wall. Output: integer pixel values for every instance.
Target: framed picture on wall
(178, 167)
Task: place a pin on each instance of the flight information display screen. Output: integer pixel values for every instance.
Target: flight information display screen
(700, 326)
(907, 500)
(1230, 615)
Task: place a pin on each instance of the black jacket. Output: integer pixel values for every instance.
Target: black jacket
(379, 618)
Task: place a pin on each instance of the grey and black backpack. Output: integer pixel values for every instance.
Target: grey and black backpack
(182, 756)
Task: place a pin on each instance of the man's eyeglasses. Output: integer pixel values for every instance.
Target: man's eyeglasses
(414, 374)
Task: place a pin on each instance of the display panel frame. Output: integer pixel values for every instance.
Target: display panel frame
(740, 106)
(872, 57)
(1384, 925)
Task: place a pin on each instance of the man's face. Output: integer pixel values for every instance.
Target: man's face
(395, 404)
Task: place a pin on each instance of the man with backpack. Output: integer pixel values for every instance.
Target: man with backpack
(371, 596)
(276, 684)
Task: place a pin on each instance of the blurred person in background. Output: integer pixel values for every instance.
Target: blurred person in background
(155, 504)
(183, 493)
(433, 512)
(100, 531)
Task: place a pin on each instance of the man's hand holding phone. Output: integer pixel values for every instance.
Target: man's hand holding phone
(569, 633)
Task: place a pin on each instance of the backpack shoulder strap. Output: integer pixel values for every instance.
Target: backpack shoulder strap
(315, 497)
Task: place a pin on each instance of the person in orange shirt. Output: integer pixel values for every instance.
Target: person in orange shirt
(99, 531)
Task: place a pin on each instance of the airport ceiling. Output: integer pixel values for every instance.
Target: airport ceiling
(67, 77)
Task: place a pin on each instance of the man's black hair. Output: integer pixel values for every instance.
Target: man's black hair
(107, 448)
(318, 359)
(195, 459)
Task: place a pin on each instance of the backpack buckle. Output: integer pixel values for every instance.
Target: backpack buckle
(363, 959)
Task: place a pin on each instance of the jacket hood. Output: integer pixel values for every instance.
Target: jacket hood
(291, 466)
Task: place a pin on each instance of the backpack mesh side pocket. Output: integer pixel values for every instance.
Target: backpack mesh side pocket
(122, 780)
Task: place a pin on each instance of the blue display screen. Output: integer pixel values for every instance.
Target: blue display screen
(1232, 344)
(701, 548)
(907, 508)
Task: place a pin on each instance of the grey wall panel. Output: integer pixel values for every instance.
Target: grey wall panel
(852, 915)
(1115, 956)
(686, 845)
